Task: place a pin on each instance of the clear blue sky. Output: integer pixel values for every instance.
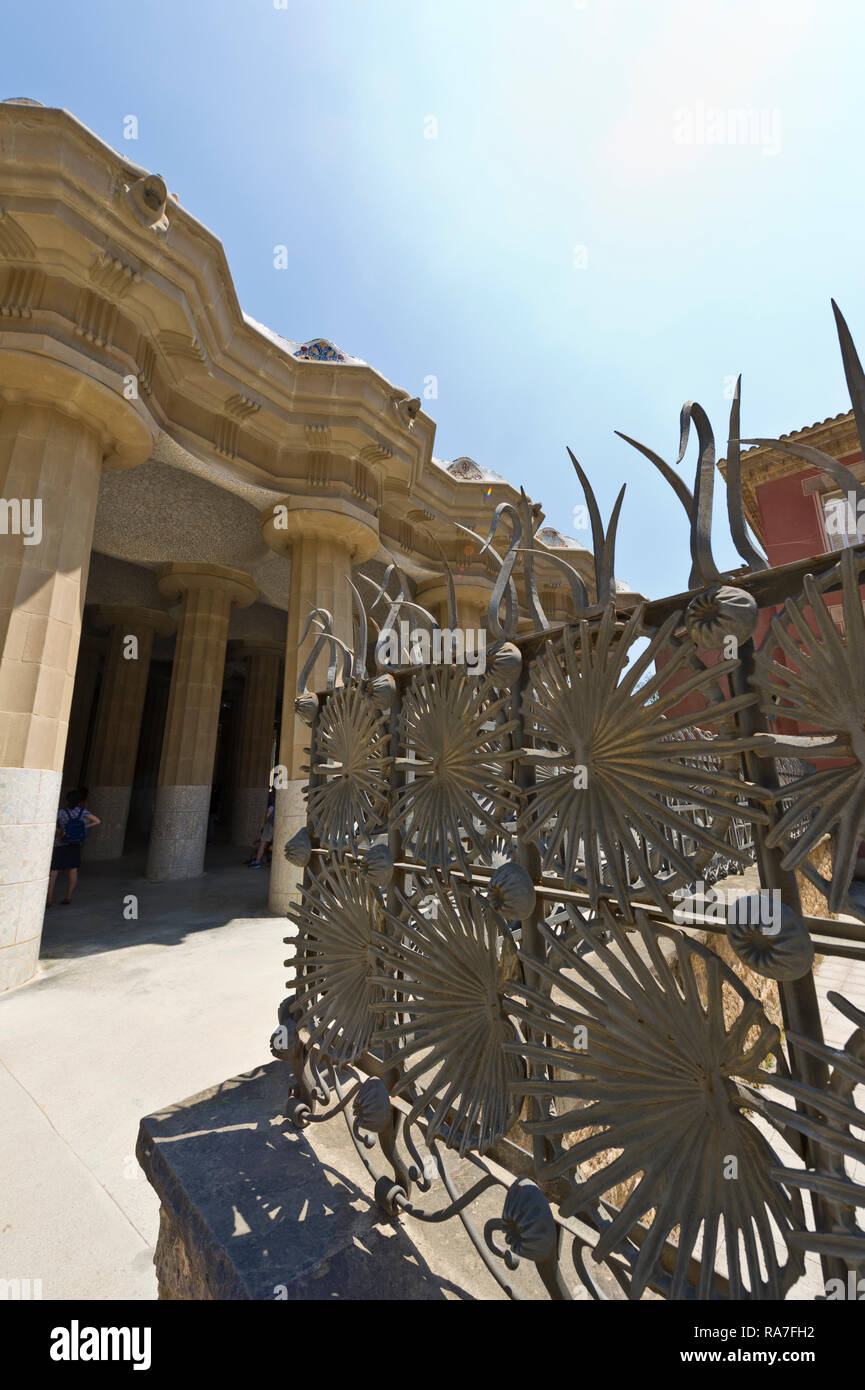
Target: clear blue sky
(560, 125)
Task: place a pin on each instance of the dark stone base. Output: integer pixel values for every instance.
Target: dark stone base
(253, 1208)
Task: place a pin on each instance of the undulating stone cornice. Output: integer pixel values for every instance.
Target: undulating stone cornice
(97, 258)
(158, 303)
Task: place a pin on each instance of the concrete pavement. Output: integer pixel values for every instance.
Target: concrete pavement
(126, 1017)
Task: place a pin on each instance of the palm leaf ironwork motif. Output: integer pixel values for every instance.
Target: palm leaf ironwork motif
(833, 1120)
(339, 1001)
(350, 760)
(450, 1028)
(612, 768)
(458, 784)
(821, 683)
(657, 1078)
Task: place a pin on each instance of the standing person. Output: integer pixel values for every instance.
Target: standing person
(73, 823)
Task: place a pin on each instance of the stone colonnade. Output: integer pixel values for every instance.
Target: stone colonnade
(169, 761)
(54, 443)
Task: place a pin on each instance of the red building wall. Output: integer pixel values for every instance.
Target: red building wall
(792, 526)
(792, 529)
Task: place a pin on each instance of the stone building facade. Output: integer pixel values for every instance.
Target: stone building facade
(179, 486)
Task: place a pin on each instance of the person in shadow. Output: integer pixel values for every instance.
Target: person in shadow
(74, 823)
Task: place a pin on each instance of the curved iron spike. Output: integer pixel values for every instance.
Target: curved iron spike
(347, 660)
(852, 371)
(704, 571)
(735, 508)
(393, 610)
(459, 527)
(317, 648)
(381, 589)
(417, 608)
(359, 664)
(390, 623)
(533, 600)
(401, 579)
(320, 615)
(678, 484)
(512, 602)
(504, 586)
(386, 628)
(482, 544)
(397, 603)
(326, 635)
(337, 645)
(393, 568)
(607, 569)
(499, 512)
(594, 513)
(579, 592)
(684, 430)
(603, 545)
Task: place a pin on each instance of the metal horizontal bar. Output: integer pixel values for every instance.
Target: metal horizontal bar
(826, 926)
(768, 587)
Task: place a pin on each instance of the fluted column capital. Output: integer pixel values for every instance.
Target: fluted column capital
(175, 580)
(328, 520)
(37, 377)
(133, 619)
(472, 595)
(251, 646)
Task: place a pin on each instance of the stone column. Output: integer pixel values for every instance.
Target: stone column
(58, 428)
(146, 774)
(118, 721)
(90, 652)
(179, 832)
(324, 542)
(255, 738)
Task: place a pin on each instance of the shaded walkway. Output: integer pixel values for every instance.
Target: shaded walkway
(99, 916)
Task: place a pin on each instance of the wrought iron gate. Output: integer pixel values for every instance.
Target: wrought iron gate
(488, 958)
